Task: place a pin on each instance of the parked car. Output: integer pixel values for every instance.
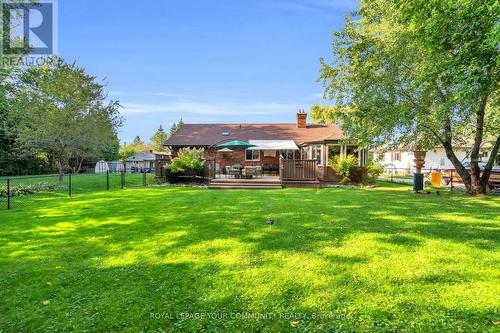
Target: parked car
(494, 182)
(482, 165)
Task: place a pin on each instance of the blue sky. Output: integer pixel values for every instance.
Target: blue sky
(203, 61)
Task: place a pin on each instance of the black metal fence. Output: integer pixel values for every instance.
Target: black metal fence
(19, 191)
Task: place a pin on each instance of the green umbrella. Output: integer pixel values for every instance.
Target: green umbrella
(235, 144)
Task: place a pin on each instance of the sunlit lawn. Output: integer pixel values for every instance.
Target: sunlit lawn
(171, 259)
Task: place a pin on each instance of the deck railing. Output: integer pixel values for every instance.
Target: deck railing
(297, 169)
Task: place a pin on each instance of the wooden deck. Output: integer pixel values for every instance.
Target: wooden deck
(293, 173)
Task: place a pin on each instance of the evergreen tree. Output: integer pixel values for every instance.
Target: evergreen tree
(158, 139)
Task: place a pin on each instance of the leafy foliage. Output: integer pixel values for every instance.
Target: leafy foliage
(28, 189)
(344, 167)
(418, 73)
(62, 111)
(175, 127)
(373, 171)
(132, 149)
(158, 139)
(188, 160)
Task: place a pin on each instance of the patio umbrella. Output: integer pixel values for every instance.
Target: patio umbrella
(235, 144)
(224, 150)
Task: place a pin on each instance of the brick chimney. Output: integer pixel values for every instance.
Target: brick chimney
(301, 119)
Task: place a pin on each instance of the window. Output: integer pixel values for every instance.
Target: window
(441, 162)
(252, 155)
(396, 156)
(225, 133)
(317, 152)
(287, 154)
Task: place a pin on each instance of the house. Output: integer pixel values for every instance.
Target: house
(296, 151)
(401, 161)
(146, 161)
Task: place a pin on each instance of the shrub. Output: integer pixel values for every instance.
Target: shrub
(189, 162)
(373, 171)
(28, 189)
(170, 176)
(345, 167)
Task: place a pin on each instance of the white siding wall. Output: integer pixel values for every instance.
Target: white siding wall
(434, 159)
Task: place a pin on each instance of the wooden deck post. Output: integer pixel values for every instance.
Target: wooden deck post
(325, 162)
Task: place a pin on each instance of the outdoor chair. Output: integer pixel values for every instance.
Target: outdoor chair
(258, 170)
(250, 171)
(235, 172)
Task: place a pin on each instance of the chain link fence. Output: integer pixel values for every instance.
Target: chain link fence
(16, 192)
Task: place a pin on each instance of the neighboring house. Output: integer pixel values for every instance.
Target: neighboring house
(102, 167)
(145, 161)
(401, 161)
(273, 146)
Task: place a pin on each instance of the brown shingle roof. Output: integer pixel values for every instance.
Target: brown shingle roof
(210, 134)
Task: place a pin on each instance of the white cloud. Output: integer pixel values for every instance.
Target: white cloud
(163, 94)
(115, 93)
(318, 6)
(316, 95)
(208, 108)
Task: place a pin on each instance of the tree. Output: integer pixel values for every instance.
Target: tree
(63, 112)
(158, 139)
(420, 72)
(176, 126)
(137, 141)
(98, 138)
(13, 159)
(131, 149)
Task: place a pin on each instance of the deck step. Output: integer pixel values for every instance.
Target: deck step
(302, 183)
(246, 187)
(258, 185)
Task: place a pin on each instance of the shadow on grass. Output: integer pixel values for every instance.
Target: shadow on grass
(178, 250)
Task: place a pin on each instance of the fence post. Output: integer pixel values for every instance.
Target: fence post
(69, 185)
(451, 179)
(8, 193)
(144, 178)
(122, 179)
(107, 180)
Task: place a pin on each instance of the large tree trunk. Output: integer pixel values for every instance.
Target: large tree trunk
(489, 166)
(79, 166)
(462, 172)
(477, 184)
(60, 169)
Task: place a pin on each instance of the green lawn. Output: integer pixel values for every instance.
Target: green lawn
(184, 260)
